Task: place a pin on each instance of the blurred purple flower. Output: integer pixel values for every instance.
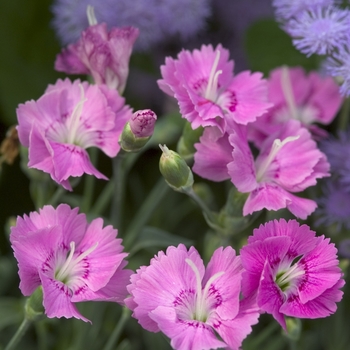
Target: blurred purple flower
(319, 29)
(286, 9)
(333, 208)
(156, 19)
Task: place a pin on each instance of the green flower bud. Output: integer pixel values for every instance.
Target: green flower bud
(175, 170)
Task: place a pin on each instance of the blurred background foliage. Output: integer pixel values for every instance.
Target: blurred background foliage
(28, 50)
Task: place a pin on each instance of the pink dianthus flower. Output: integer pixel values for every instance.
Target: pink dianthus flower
(189, 303)
(103, 54)
(308, 98)
(207, 92)
(291, 272)
(72, 260)
(289, 161)
(67, 119)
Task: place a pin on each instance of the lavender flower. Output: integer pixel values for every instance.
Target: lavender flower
(333, 208)
(156, 19)
(335, 150)
(286, 9)
(319, 29)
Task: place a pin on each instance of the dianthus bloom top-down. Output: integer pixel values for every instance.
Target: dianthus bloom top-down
(66, 120)
(189, 303)
(72, 260)
(309, 98)
(208, 93)
(289, 161)
(291, 271)
(103, 54)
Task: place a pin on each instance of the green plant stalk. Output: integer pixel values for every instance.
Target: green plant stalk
(144, 213)
(113, 339)
(19, 334)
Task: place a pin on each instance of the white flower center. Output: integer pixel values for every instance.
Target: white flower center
(68, 268)
(201, 307)
(73, 122)
(276, 146)
(212, 87)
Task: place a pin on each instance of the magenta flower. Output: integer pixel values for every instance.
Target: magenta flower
(66, 120)
(289, 161)
(103, 54)
(207, 92)
(188, 303)
(72, 260)
(142, 123)
(308, 98)
(291, 271)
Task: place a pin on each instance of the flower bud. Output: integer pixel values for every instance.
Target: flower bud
(138, 130)
(142, 123)
(175, 170)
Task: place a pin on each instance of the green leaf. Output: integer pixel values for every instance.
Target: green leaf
(155, 237)
(268, 47)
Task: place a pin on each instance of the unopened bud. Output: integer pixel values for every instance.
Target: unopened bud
(142, 123)
(138, 130)
(176, 172)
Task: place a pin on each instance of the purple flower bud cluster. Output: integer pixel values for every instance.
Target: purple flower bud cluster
(319, 27)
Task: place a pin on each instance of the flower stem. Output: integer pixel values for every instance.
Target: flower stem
(142, 216)
(89, 183)
(118, 329)
(344, 115)
(19, 334)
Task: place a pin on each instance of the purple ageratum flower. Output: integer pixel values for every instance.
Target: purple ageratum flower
(291, 272)
(308, 98)
(72, 260)
(103, 54)
(66, 120)
(175, 294)
(319, 29)
(333, 207)
(338, 65)
(286, 9)
(289, 161)
(157, 20)
(207, 92)
(337, 151)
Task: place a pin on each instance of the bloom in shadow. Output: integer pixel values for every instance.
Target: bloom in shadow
(101, 53)
(291, 271)
(189, 303)
(66, 120)
(71, 259)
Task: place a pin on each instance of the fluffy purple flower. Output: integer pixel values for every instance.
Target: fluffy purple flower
(334, 206)
(157, 20)
(207, 92)
(286, 9)
(66, 120)
(338, 65)
(291, 271)
(337, 151)
(309, 98)
(289, 161)
(189, 303)
(103, 54)
(319, 29)
(71, 259)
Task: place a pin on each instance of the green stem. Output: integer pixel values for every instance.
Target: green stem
(142, 216)
(56, 196)
(89, 185)
(199, 201)
(113, 339)
(118, 193)
(19, 334)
